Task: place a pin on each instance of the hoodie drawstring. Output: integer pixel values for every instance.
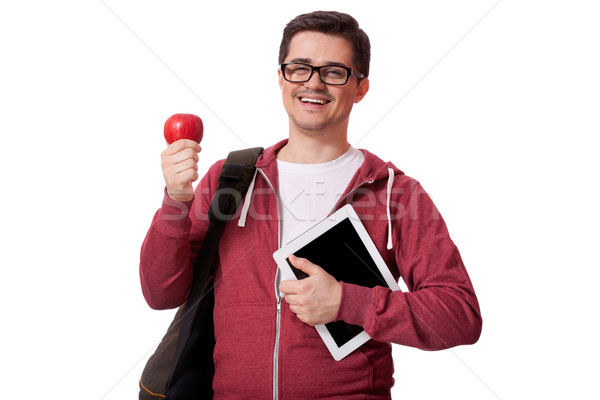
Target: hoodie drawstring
(246, 206)
(390, 244)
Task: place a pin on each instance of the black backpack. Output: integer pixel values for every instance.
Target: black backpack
(182, 366)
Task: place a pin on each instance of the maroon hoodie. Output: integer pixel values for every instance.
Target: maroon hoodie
(263, 350)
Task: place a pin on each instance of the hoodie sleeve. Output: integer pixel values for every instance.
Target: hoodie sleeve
(440, 310)
(172, 243)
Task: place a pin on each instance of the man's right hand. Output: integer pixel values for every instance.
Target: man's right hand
(179, 163)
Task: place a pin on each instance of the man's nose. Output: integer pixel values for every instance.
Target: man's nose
(314, 81)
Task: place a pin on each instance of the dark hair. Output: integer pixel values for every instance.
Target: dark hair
(332, 23)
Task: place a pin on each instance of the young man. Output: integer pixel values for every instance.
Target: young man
(266, 346)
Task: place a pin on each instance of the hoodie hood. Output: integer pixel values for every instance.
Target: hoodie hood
(373, 169)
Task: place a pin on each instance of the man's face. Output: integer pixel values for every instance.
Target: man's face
(314, 107)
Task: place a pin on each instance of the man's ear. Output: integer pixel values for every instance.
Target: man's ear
(280, 75)
(361, 90)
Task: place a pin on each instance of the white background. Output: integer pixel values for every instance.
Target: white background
(492, 105)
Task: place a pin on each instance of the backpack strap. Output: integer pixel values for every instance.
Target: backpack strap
(234, 180)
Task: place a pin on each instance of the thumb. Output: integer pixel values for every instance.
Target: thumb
(304, 265)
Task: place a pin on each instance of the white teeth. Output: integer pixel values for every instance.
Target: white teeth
(316, 101)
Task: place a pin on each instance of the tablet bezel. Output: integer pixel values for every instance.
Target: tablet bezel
(281, 255)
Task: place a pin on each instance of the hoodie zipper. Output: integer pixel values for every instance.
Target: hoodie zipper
(277, 297)
(276, 351)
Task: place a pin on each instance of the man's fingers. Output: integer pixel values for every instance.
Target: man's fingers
(179, 162)
(288, 287)
(181, 144)
(184, 166)
(187, 176)
(291, 299)
(304, 265)
(184, 154)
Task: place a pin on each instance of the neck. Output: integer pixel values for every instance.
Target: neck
(303, 149)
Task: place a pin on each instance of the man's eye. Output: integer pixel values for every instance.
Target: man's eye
(334, 73)
(300, 69)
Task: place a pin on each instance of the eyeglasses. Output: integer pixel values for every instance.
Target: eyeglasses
(329, 74)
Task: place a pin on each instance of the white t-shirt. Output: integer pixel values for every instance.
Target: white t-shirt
(308, 192)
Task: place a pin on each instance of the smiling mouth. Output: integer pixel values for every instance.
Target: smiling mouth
(313, 101)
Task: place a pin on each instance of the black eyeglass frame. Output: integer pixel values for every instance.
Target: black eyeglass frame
(350, 72)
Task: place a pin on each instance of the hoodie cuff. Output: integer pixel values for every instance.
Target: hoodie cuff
(173, 216)
(357, 305)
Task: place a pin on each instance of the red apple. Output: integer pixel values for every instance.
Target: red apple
(183, 126)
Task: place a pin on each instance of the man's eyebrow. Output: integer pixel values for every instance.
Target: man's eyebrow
(336, 64)
(308, 61)
(301, 60)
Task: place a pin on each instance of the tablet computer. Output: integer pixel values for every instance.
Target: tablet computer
(340, 245)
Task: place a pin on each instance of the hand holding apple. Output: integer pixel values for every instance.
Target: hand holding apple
(179, 160)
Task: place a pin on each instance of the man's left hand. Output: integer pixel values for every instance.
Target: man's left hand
(315, 300)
